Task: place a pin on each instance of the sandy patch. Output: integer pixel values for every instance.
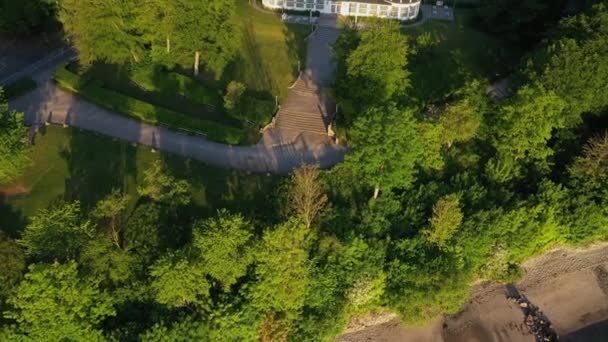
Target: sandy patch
(569, 285)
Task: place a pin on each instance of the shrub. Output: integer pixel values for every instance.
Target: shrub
(234, 92)
(171, 84)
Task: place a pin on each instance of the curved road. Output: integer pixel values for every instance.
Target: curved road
(279, 151)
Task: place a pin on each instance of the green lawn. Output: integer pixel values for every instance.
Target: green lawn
(268, 60)
(74, 165)
(454, 53)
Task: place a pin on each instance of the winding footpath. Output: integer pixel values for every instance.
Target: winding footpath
(280, 150)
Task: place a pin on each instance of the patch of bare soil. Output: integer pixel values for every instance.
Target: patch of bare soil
(12, 191)
(570, 286)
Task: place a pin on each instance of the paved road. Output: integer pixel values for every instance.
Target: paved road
(279, 151)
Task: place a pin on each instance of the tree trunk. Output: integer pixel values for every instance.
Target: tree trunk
(376, 191)
(197, 61)
(168, 45)
(114, 233)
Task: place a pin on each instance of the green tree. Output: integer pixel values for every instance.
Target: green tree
(13, 143)
(575, 66)
(58, 233)
(377, 67)
(591, 169)
(12, 266)
(103, 30)
(282, 269)
(234, 92)
(447, 218)
(54, 303)
(162, 187)
(180, 29)
(182, 331)
(385, 147)
(27, 17)
(111, 210)
(521, 129)
(178, 280)
(461, 120)
(223, 243)
(100, 259)
(306, 195)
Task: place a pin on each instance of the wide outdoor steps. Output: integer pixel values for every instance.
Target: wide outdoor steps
(302, 111)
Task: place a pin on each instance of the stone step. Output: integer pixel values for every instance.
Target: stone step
(302, 125)
(301, 128)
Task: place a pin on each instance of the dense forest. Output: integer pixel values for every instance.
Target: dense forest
(435, 193)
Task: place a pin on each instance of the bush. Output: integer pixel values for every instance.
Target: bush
(144, 111)
(252, 109)
(19, 87)
(171, 84)
(234, 92)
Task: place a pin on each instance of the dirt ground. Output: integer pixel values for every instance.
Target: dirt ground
(570, 286)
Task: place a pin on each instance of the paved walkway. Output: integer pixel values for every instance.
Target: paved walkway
(279, 151)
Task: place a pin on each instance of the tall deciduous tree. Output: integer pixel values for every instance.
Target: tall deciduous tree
(223, 246)
(13, 143)
(12, 265)
(282, 269)
(461, 120)
(575, 66)
(178, 280)
(103, 30)
(57, 233)
(306, 195)
(521, 129)
(181, 29)
(54, 303)
(591, 169)
(447, 217)
(385, 147)
(111, 209)
(163, 187)
(376, 69)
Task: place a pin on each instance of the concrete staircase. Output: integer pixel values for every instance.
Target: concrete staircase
(303, 110)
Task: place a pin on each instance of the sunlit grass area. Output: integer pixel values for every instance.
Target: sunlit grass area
(73, 165)
(270, 51)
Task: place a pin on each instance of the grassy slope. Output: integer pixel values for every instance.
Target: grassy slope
(73, 165)
(458, 53)
(268, 59)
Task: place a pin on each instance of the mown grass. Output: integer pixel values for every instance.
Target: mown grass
(76, 165)
(267, 62)
(144, 111)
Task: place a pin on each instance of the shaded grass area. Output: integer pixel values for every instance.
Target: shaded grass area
(144, 111)
(73, 165)
(448, 54)
(19, 87)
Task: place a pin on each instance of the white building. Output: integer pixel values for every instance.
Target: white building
(397, 9)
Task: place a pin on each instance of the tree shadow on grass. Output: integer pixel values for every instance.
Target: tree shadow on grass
(248, 66)
(216, 188)
(96, 165)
